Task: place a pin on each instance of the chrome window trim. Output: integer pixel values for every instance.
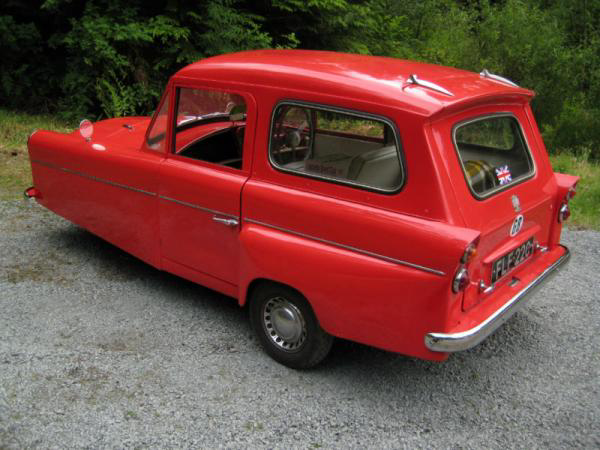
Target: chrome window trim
(350, 112)
(347, 247)
(94, 178)
(513, 183)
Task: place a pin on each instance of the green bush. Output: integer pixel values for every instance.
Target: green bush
(576, 129)
(101, 58)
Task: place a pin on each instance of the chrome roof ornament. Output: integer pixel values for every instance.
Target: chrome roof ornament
(487, 74)
(413, 79)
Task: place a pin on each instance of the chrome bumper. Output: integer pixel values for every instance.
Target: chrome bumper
(454, 342)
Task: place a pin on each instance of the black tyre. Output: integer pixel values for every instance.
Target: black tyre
(287, 328)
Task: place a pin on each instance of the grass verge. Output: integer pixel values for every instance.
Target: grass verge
(585, 207)
(15, 173)
(15, 128)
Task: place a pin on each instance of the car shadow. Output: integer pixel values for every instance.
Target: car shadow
(493, 366)
(111, 264)
(349, 362)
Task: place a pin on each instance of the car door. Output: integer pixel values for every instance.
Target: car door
(201, 182)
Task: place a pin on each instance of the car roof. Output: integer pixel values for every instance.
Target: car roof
(373, 79)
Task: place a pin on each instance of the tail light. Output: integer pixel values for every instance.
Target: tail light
(564, 212)
(461, 280)
(470, 252)
(462, 277)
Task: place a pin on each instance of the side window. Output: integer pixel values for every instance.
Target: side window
(210, 126)
(158, 132)
(334, 145)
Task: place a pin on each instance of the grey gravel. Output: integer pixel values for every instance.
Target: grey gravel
(99, 350)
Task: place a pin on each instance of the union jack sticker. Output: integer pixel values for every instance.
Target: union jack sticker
(503, 175)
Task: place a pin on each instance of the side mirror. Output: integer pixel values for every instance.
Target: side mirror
(86, 129)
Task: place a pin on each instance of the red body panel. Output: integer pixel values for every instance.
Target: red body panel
(376, 268)
(189, 235)
(109, 192)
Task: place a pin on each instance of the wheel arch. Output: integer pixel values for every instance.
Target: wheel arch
(259, 281)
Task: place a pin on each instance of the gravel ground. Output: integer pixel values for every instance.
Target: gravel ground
(99, 350)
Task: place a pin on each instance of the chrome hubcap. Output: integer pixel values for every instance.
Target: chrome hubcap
(284, 324)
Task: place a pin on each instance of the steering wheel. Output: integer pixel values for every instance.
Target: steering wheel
(295, 138)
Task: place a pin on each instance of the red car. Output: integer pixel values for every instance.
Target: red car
(406, 206)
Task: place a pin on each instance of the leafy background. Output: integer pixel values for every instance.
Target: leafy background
(102, 58)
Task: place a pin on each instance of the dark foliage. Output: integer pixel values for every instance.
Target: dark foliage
(113, 57)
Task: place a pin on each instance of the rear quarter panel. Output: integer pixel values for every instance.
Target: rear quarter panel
(340, 246)
(319, 246)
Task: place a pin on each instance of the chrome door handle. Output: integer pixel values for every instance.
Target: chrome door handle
(226, 222)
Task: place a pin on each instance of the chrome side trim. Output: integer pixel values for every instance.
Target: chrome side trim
(130, 188)
(347, 247)
(414, 79)
(453, 342)
(201, 208)
(93, 178)
(487, 74)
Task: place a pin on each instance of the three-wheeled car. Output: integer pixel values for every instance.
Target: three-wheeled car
(403, 205)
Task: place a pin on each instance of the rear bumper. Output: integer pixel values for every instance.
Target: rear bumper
(453, 342)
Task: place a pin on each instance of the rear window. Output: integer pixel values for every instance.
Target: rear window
(493, 153)
(336, 146)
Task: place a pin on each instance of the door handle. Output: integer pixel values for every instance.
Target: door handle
(226, 222)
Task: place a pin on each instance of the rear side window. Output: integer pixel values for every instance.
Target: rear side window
(338, 146)
(493, 153)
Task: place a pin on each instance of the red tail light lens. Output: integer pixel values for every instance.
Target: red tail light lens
(564, 212)
(461, 280)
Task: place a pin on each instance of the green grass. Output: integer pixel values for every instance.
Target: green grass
(15, 173)
(585, 207)
(15, 128)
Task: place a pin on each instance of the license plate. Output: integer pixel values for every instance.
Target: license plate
(511, 260)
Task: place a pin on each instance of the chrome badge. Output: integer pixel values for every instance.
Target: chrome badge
(517, 225)
(516, 203)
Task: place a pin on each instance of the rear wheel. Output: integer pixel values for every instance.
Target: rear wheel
(287, 328)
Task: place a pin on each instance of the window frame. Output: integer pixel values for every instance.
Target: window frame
(349, 112)
(165, 97)
(249, 102)
(528, 153)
